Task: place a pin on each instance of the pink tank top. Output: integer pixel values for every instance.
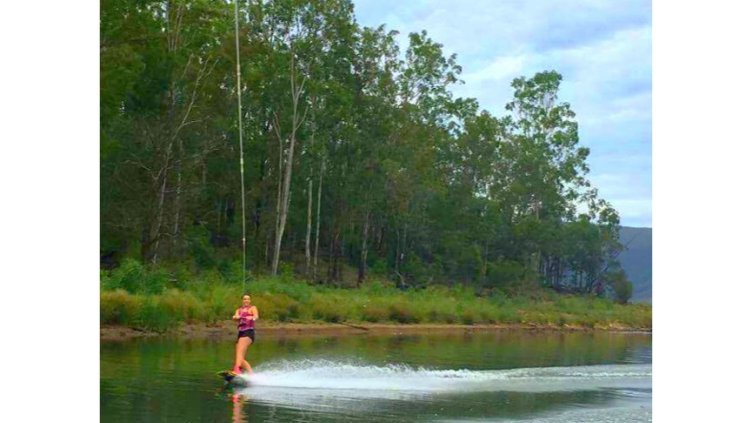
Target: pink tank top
(245, 322)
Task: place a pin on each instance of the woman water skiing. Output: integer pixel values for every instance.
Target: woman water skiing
(246, 317)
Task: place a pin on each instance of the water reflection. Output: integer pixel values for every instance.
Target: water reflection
(439, 377)
(238, 416)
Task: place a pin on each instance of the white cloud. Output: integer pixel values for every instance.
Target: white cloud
(602, 49)
(634, 212)
(503, 69)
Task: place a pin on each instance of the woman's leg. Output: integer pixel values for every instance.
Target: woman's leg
(245, 364)
(240, 349)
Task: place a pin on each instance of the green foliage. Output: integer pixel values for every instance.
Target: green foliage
(621, 285)
(286, 272)
(379, 267)
(469, 317)
(154, 315)
(448, 192)
(200, 248)
(508, 315)
(444, 311)
(375, 311)
(232, 271)
(506, 273)
(277, 307)
(293, 288)
(210, 300)
(118, 307)
(181, 306)
(181, 276)
(328, 309)
(133, 277)
(401, 311)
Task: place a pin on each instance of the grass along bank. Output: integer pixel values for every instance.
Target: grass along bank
(132, 300)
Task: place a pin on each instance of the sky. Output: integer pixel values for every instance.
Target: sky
(602, 49)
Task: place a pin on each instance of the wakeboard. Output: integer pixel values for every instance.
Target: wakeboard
(232, 377)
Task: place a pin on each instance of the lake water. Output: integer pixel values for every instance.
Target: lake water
(458, 377)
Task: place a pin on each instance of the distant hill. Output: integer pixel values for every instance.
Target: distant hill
(637, 261)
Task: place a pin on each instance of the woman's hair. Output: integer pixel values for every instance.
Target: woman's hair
(247, 293)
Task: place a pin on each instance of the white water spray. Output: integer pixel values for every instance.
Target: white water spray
(379, 381)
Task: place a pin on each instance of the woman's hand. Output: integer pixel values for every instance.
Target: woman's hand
(236, 316)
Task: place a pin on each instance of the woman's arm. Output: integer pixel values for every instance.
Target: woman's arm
(236, 316)
(254, 313)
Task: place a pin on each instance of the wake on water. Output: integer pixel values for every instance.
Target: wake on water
(344, 387)
(359, 380)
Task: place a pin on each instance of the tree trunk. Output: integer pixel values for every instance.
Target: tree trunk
(219, 216)
(178, 191)
(285, 204)
(266, 249)
(484, 269)
(363, 251)
(308, 230)
(279, 189)
(318, 219)
(342, 256)
(397, 259)
(157, 228)
(333, 253)
(285, 201)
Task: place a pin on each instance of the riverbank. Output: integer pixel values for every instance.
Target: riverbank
(227, 330)
(284, 302)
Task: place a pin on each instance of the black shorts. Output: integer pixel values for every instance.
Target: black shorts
(249, 333)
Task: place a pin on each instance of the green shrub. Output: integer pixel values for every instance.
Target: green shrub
(298, 290)
(374, 312)
(129, 276)
(477, 311)
(506, 273)
(293, 311)
(401, 312)
(118, 307)
(379, 289)
(543, 318)
(565, 319)
(232, 272)
(182, 306)
(157, 299)
(487, 316)
(277, 307)
(104, 280)
(181, 277)
(154, 316)
(469, 317)
(441, 315)
(133, 277)
(156, 281)
(508, 315)
(328, 309)
(286, 271)
(379, 267)
(221, 300)
(601, 304)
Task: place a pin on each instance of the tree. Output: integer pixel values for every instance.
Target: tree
(358, 154)
(621, 286)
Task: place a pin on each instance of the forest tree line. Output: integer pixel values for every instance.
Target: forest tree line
(356, 154)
